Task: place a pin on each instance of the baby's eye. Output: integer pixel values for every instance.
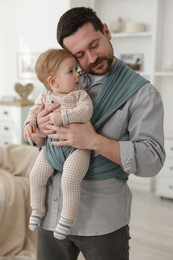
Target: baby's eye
(78, 69)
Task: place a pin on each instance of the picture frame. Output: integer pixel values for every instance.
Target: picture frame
(133, 60)
(26, 65)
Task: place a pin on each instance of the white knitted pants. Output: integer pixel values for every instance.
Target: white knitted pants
(75, 168)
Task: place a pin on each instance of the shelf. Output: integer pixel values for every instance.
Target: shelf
(131, 35)
(145, 74)
(163, 74)
(20, 102)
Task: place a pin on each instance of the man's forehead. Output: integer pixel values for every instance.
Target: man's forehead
(82, 38)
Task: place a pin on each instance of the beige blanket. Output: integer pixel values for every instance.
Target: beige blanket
(15, 164)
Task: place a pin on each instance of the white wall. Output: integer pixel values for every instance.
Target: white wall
(25, 26)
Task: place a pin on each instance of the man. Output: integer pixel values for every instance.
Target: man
(125, 136)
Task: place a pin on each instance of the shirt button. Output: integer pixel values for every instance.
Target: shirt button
(55, 199)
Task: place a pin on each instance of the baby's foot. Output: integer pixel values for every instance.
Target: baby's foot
(34, 220)
(63, 228)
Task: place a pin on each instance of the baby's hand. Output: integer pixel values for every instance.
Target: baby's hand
(29, 129)
(56, 117)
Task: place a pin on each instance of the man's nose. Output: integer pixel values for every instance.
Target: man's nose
(91, 56)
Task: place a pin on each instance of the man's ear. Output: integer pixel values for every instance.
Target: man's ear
(106, 31)
(51, 81)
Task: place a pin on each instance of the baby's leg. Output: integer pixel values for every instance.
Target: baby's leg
(39, 176)
(75, 168)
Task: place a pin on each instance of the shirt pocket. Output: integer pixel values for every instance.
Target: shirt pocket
(113, 127)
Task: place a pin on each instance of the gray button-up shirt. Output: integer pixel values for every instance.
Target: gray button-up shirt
(105, 204)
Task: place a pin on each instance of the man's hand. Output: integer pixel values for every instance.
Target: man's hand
(83, 136)
(80, 136)
(43, 120)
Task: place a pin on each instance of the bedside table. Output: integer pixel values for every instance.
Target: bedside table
(12, 117)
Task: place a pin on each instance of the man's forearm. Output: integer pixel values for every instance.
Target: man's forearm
(107, 147)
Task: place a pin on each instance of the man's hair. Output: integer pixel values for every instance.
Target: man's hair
(75, 18)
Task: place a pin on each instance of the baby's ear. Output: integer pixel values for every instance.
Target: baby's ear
(51, 81)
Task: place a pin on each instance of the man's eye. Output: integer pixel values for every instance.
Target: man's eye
(95, 45)
(80, 55)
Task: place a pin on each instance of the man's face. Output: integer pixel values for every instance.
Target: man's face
(92, 49)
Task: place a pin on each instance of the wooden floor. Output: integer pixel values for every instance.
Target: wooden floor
(151, 228)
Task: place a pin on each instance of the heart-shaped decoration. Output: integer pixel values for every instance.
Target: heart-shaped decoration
(24, 90)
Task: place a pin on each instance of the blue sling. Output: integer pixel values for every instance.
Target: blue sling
(119, 86)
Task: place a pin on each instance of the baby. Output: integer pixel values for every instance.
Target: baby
(57, 70)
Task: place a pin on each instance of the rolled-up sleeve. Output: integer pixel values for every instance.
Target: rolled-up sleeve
(143, 153)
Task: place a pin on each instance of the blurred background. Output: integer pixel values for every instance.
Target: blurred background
(143, 38)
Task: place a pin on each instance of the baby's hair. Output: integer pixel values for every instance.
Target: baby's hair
(48, 62)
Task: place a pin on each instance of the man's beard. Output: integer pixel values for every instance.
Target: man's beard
(92, 68)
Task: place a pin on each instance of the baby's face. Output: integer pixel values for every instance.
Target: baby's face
(67, 77)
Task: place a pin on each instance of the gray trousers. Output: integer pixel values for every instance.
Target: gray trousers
(113, 246)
